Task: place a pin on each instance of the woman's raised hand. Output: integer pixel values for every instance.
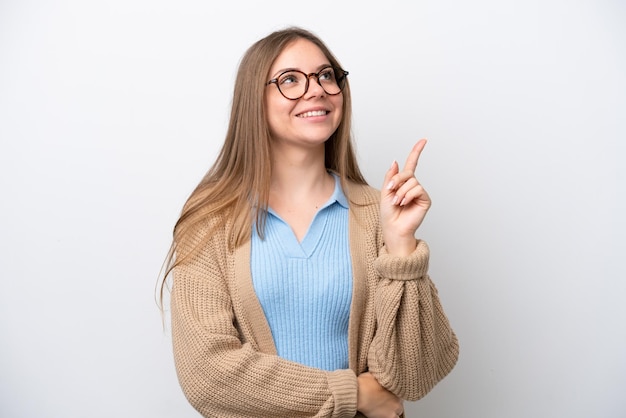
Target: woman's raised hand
(403, 204)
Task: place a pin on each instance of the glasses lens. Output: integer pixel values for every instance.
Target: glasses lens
(292, 84)
(329, 82)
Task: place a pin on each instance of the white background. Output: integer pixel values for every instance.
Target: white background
(111, 111)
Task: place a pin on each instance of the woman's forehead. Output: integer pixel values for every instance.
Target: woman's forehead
(302, 55)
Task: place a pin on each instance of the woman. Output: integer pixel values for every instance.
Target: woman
(298, 290)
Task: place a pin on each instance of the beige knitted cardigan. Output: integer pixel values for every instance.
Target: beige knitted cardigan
(224, 352)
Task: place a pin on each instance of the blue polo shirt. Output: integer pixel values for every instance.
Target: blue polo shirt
(305, 288)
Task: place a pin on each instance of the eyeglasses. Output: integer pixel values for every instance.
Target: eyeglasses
(294, 84)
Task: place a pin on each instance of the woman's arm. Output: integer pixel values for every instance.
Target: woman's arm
(414, 346)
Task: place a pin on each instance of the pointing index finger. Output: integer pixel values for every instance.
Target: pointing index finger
(414, 155)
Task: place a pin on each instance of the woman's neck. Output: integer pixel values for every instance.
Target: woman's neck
(300, 186)
(298, 173)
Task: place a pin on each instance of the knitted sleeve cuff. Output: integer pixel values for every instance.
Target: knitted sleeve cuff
(342, 384)
(411, 267)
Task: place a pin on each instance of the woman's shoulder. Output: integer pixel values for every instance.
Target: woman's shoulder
(204, 230)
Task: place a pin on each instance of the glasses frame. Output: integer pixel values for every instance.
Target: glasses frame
(341, 80)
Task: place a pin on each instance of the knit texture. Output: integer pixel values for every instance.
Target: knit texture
(305, 287)
(225, 357)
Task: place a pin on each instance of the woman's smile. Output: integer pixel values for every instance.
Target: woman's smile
(312, 113)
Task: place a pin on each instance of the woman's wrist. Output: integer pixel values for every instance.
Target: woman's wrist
(362, 392)
(400, 246)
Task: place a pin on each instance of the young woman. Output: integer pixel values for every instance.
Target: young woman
(298, 290)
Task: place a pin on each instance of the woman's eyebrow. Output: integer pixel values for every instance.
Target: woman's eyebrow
(277, 73)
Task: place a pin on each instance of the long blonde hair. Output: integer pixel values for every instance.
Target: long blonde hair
(235, 190)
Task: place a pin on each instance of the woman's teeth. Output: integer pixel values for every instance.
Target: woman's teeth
(312, 113)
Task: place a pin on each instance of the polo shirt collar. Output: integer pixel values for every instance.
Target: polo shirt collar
(338, 195)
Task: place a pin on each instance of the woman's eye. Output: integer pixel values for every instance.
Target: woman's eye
(289, 79)
(327, 75)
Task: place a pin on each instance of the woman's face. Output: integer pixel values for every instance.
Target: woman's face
(313, 118)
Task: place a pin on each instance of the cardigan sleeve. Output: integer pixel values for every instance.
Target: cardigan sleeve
(222, 376)
(414, 346)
